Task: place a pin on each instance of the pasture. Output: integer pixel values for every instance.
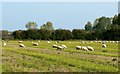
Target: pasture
(45, 58)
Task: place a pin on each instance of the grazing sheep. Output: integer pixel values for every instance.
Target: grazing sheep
(48, 41)
(78, 47)
(60, 48)
(19, 41)
(103, 42)
(55, 46)
(35, 44)
(96, 41)
(103, 45)
(82, 42)
(90, 48)
(4, 44)
(3, 40)
(91, 41)
(57, 42)
(21, 45)
(64, 46)
(84, 48)
(116, 41)
(113, 41)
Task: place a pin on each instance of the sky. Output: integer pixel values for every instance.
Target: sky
(65, 15)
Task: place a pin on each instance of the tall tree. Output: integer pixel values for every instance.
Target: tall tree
(31, 25)
(88, 26)
(115, 20)
(47, 26)
(78, 33)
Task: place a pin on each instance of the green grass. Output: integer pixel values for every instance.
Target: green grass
(44, 58)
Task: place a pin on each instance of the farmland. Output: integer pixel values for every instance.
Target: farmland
(45, 58)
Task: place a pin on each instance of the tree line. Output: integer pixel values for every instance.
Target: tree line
(103, 28)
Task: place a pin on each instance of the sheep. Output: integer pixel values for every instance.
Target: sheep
(91, 41)
(3, 40)
(35, 44)
(116, 42)
(55, 46)
(78, 47)
(64, 46)
(90, 48)
(103, 42)
(4, 44)
(84, 48)
(57, 42)
(22, 45)
(48, 41)
(113, 41)
(103, 45)
(82, 42)
(19, 41)
(60, 48)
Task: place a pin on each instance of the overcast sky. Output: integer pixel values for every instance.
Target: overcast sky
(67, 15)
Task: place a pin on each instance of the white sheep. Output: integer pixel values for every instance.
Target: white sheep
(64, 46)
(116, 42)
(113, 41)
(19, 41)
(35, 44)
(55, 46)
(84, 48)
(48, 41)
(91, 41)
(39, 41)
(60, 48)
(90, 48)
(103, 42)
(103, 45)
(78, 47)
(21, 45)
(4, 44)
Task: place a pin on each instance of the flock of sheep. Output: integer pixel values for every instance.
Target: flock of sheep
(60, 47)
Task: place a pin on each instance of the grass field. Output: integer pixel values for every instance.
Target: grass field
(44, 58)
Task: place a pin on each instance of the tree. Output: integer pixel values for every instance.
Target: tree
(44, 34)
(47, 26)
(119, 19)
(33, 34)
(79, 34)
(101, 25)
(17, 34)
(31, 25)
(115, 20)
(62, 34)
(88, 26)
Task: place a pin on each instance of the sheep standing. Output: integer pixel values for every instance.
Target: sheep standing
(90, 48)
(35, 44)
(103, 45)
(48, 41)
(55, 46)
(78, 47)
(64, 46)
(19, 41)
(60, 48)
(84, 48)
(4, 44)
(22, 45)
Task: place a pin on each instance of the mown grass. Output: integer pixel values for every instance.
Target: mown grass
(112, 49)
(63, 61)
(85, 65)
